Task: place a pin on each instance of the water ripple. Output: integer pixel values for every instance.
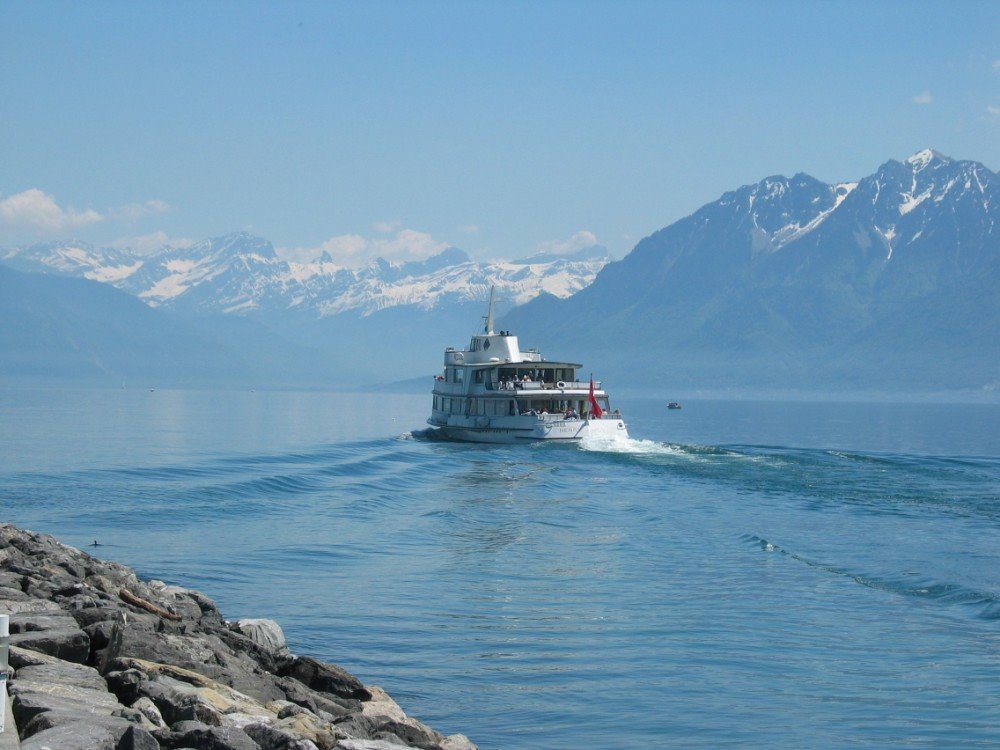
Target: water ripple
(498, 589)
(910, 583)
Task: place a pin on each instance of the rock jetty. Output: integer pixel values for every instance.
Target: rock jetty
(105, 661)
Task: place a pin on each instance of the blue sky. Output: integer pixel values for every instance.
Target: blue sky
(398, 128)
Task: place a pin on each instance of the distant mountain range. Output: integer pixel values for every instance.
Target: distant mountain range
(242, 274)
(382, 322)
(889, 283)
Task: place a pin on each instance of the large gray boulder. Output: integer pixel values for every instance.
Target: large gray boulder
(193, 734)
(84, 735)
(29, 700)
(64, 673)
(53, 633)
(267, 634)
(326, 678)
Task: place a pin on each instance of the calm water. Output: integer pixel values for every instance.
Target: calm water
(786, 575)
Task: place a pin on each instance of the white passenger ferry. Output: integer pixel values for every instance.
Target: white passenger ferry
(493, 392)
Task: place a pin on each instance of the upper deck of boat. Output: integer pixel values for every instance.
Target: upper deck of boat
(523, 364)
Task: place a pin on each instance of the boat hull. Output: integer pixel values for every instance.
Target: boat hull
(570, 430)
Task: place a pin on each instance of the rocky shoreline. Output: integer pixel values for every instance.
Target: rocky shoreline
(105, 661)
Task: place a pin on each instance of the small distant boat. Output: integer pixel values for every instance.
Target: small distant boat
(673, 405)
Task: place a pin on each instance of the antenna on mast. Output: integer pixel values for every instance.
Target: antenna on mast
(489, 314)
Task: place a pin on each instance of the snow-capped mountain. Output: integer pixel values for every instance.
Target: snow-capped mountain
(227, 274)
(241, 274)
(893, 278)
(73, 258)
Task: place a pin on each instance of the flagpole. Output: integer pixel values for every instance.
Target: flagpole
(595, 408)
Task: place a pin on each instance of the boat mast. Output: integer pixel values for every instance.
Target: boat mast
(489, 314)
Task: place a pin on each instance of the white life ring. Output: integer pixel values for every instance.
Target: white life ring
(560, 384)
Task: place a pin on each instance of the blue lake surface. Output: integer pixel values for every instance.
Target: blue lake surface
(778, 574)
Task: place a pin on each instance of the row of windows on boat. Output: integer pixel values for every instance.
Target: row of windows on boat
(496, 407)
(497, 377)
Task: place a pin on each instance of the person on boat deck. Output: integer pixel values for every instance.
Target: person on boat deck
(526, 379)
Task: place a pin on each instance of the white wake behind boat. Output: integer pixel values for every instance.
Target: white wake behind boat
(493, 392)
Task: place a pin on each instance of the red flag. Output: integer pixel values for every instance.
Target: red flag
(595, 408)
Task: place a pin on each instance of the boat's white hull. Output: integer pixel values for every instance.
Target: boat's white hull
(528, 429)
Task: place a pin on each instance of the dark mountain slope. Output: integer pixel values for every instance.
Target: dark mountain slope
(58, 328)
(890, 282)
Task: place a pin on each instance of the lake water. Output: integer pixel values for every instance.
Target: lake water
(778, 574)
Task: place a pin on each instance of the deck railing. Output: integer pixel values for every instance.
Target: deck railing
(538, 385)
(560, 416)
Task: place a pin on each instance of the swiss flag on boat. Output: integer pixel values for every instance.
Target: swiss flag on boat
(595, 409)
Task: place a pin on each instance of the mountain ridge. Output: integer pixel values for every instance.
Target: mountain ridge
(792, 278)
(240, 273)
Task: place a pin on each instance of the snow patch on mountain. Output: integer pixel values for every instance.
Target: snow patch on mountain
(795, 231)
(74, 258)
(164, 289)
(922, 159)
(911, 201)
(111, 274)
(303, 272)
